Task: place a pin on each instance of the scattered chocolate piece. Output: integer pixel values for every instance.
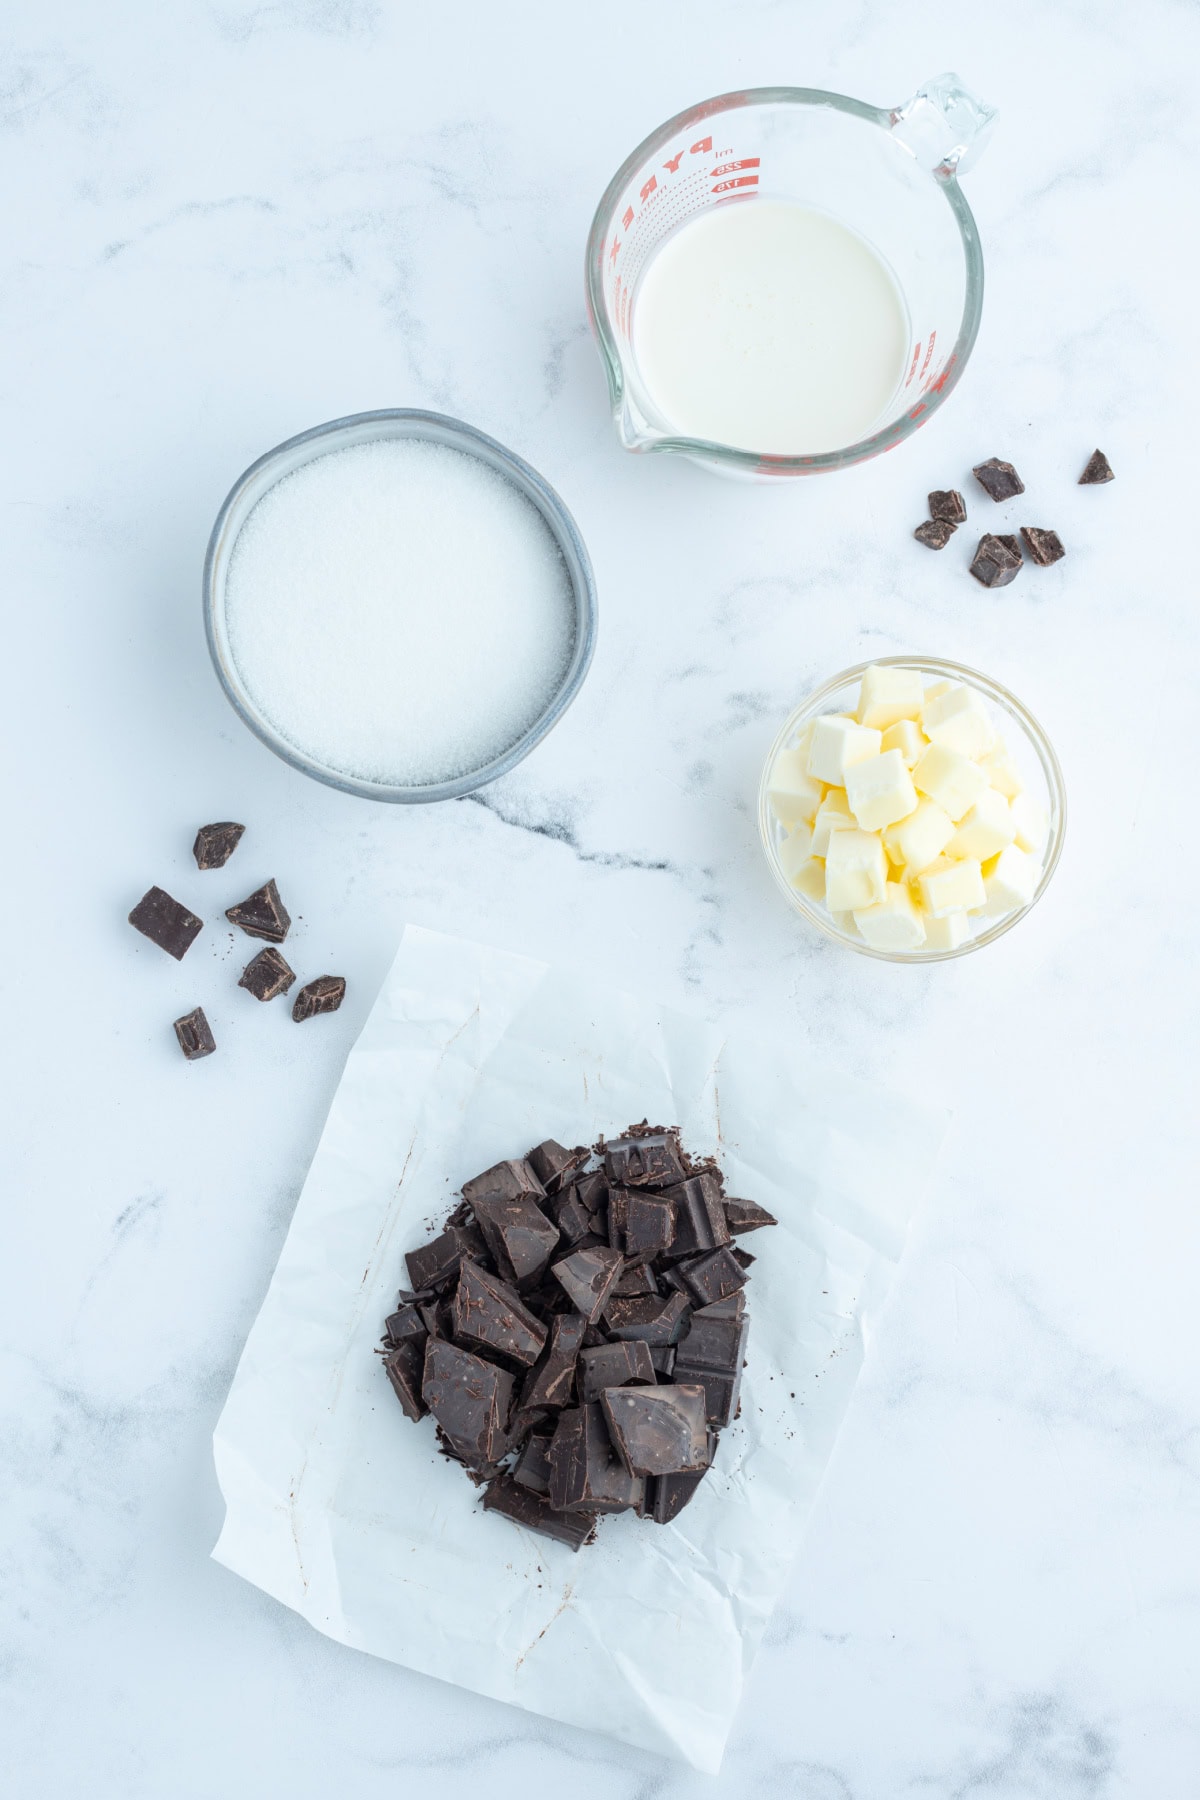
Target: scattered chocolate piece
(324, 995)
(715, 1276)
(572, 1217)
(589, 1277)
(626, 1364)
(511, 1180)
(215, 844)
(406, 1322)
(470, 1399)
(649, 1224)
(552, 1382)
(995, 565)
(195, 1035)
(648, 1157)
(731, 1308)
(1011, 542)
(947, 504)
(488, 1314)
(700, 1215)
(585, 1470)
(266, 975)
(437, 1262)
(553, 1165)
(999, 480)
(654, 1320)
(658, 1430)
(532, 1467)
(714, 1340)
(166, 922)
(662, 1358)
(1044, 547)
(262, 914)
(405, 1370)
(518, 1234)
(525, 1507)
(935, 534)
(746, 1215)
(671, 1495)
(637, 1279)
(1098, 469)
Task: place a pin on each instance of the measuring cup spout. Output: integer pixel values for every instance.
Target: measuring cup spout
(943, 126)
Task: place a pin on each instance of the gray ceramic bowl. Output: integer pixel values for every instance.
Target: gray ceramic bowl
(361, 428)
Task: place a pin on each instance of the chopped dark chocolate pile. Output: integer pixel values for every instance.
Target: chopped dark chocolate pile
(577, 1330)
(262, 914)
(1098, 469)
(215, 844)
(195, 1035)
(1044, 547)
(166, 922)
(995, 563)
(324, 995)
(947, 504)
(999, 480)
(266, 975)
(935, 534)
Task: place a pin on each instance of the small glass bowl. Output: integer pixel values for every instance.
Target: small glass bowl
(1026, 741)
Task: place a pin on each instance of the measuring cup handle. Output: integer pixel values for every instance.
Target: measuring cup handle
(944, 126)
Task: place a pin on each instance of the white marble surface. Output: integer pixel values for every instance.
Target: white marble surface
(221, 223)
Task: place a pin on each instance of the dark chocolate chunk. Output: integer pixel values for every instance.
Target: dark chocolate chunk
(649, 1156)
(195, 1035)
(1011, 542)
(671, 1495)
(553, 1165)
(662, 1358)
(518, 1234)
(699, 1215)
(589, 1277)
(552, 1382)
(948, 504)
(935, 534)
(742, 1256)
(999, 480)
(405, 1322)
(526, 1507)
(721, 1390)
(658, 1430)
(714, 1341)
(714, 1277)
(637, 1279)
(585, 1470)
(654, 1320)
(488, 1313)
(618, 1215)
(266, 975)
(1097, 470)
(591, 1191)
(166, 923)
(262, 914)
(511, 1180)
(995, 565)
(532, 1467)
(215, 844)
(730, 1308)
(571, 1216)
(649, 1224)
(1044, 547)
(615, 1365)
(745, 1215)
(437, 1262)
(405, 1367)
(324, 995)
(470, 1399)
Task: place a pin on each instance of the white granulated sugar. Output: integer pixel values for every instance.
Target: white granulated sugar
(399, 611)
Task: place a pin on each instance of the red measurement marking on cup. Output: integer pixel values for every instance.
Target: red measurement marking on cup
(912, 367)
(928, 353)
(731, 168)
(740, 181)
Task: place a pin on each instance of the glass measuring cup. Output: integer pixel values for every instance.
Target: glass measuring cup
(890, 174)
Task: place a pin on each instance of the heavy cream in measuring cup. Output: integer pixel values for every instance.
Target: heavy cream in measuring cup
(769, 326)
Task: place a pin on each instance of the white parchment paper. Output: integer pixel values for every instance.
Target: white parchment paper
(342, 1508)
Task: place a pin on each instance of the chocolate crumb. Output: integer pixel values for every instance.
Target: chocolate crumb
(1043, 546)
(935, 533)
(195, 1035)
(999, 480)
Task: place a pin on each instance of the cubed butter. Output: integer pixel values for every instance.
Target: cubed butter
(959, 720)
(948, 932)
(948, 887)
(937, 687)
(838, 743)
(833, 814)
(950, 778)
(795, 849)
(879, 790)
(1001, 770)
(793, 792)
(917, 840)
(1011, 883)
(907, 738)
(809, 879)
(855, 870)
(845, 924)
(1030, 824)
(894, 922)
(888, 695)
(985, 830)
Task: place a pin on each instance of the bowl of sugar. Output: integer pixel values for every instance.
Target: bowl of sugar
(398, 605)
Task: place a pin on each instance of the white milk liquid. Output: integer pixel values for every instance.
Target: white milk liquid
(768, 326)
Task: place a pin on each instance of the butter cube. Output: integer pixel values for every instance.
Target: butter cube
(888, 695)
(951, 779)
(845, 923)
(809, 879)
(917, 840)
(855, 870)
(894, 923)
(879, 790)
(1001, 770)
(1030, 824)
(937, 687)
(1012, 882)
(793, 793)
(958, 720)
(795, 850)
(833, 814)
(948, 887)
(985, 830)
(948, 932)
(905, 737)
(837, 743)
